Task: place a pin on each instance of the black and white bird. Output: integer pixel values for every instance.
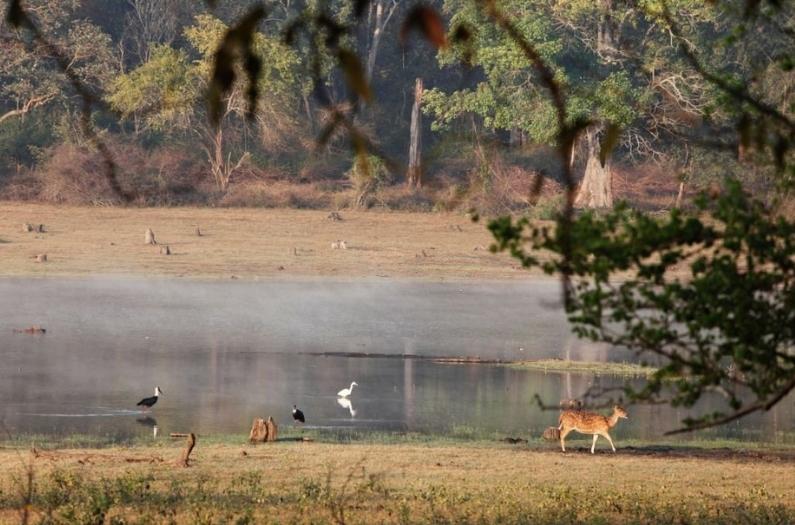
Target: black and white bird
(298, 415)
(149, 402)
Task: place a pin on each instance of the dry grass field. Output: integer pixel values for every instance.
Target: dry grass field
(247, 243)
(382, 483)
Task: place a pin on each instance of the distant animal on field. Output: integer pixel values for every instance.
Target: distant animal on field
(298, 415)
(31, 330)
(339, 245)
(589, 423)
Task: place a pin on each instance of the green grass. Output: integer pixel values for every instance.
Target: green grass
(590, 367)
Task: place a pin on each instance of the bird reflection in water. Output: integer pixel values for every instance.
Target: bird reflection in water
(346, 403)
(149, 422)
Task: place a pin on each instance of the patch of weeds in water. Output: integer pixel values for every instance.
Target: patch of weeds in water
(585, 367)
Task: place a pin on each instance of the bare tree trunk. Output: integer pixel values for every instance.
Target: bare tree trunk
(217, 161)
(596, 188)
(379, 23)
(414, 176)
(372, 52)
(607, 33)
(680, 194)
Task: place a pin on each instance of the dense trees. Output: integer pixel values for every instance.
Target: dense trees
(148, 63)
(165, 95)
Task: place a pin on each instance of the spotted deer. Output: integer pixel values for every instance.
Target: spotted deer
(589, 423)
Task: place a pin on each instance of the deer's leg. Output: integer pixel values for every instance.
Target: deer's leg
(607, 437)
(593, 445)
(563, 434)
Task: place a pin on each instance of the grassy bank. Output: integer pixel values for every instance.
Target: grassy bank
(596, 368)
(291, 482)
(247, 243)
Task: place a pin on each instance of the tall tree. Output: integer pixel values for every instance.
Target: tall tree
(622, 74)
(166, 93)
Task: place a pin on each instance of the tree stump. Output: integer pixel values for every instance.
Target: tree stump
(551, 434)
(165, 250)
(150, 236)
(263, 431)
(184, 460)
(273, 429)
(259, 431)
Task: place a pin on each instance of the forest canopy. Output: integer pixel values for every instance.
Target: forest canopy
(487, 125)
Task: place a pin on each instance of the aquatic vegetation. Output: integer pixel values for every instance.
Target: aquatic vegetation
(590, 367)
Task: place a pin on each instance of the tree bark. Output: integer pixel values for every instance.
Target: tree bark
(607, 33)
(414, 175)
(596, 188)
(380, 21)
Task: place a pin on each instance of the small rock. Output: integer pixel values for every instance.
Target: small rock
(41, 258)
(27, 228)
(165, 250)
(150, 236)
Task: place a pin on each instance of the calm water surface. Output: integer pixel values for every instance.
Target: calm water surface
(224, 353)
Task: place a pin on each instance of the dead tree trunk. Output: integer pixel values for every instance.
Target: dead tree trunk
(382, 16)
(259, 431)
(184, 461)
(273, 429)
(414, 175)
(596, 188)
(263, 431)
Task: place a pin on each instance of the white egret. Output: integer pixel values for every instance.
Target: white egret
(345, 392)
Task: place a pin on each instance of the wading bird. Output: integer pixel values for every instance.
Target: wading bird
(149, 402)
(345, 392)
(298, 415)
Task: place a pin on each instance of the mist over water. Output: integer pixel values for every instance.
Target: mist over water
(226, 352)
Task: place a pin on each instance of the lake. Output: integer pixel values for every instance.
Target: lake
(226, 352)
